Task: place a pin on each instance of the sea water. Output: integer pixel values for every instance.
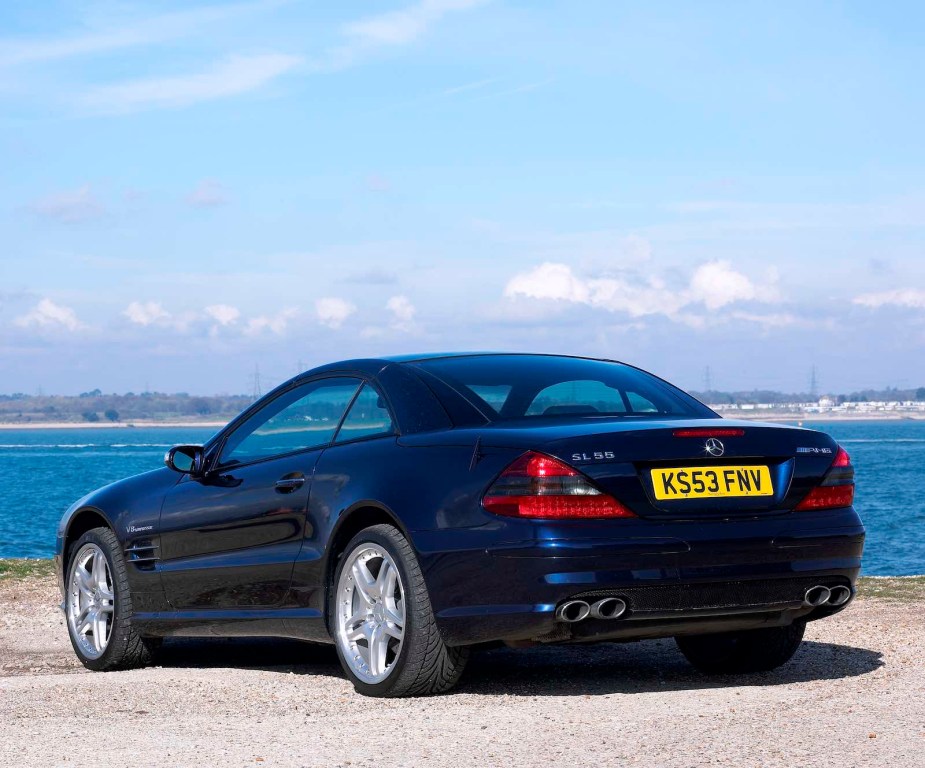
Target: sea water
(45, 470)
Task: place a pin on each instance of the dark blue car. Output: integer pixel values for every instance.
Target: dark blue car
(410, 509)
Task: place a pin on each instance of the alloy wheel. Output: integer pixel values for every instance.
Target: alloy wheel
(90, 601)
(370, 612)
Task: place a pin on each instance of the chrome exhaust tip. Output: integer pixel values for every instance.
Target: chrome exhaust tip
(573, 610)
(816, 596)
(608, 608)
(839, 595)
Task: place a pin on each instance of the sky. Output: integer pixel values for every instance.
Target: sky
(193, 192)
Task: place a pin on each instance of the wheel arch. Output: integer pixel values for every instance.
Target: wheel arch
(82, 521)
(361, 515)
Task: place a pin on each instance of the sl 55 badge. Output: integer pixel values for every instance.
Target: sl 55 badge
(594, 456)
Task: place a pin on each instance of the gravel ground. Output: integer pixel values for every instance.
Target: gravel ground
(854, 695)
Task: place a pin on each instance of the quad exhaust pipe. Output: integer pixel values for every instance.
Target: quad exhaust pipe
(572, 611)
(820, 595)
(816, 596)
(839, 595)
(608, 608)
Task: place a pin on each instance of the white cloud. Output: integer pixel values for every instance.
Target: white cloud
(332, 311)
(274, 323)
(146, 313)
(223, 314)
(403, 311)
(557, 282)
(47, 314)
(549, 281)
(69, 207)
(404, 25)
(230, 77)
(717, 284)
(649, 297)
(392, 28)
(207, 194)
(713, 285)
(402, 320)
(901, 297)
(152, 313)
(137, 33)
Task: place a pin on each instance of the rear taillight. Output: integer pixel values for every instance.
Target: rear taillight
(536, 485)
(824, 497)
(842, 459)
(836, 489)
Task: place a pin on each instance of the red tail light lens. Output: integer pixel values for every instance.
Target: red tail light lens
(708, 432)
(842, 459)
(837, 488)
(827, 497)
(540, 486)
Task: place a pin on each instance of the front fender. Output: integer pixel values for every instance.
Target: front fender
(131, 509)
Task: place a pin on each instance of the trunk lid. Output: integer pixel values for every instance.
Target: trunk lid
(621, 462)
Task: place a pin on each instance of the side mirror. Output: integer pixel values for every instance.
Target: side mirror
(187, 459)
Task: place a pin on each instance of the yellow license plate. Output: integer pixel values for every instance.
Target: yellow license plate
(711, 482)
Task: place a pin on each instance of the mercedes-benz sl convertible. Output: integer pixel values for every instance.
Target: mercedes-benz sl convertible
(410, 509)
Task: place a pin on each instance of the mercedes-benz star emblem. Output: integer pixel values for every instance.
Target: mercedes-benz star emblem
(714, 447)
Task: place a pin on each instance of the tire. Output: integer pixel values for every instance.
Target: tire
(733, 653)
(121, 646)
(418, 663)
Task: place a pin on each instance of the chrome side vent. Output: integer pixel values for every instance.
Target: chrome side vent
(143, 554)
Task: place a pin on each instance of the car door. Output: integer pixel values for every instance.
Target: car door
(365, 440)
(230, 537)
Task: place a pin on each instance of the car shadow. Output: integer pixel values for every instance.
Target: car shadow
(605, 668)
(269, 654)
(652, 665)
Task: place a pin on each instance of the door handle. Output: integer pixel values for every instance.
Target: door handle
(290, 483)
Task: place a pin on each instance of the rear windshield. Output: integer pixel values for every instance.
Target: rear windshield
(537, 387)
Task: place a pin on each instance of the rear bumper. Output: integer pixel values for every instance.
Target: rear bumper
(676, 577)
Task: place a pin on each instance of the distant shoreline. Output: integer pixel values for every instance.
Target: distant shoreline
(801, 417)
(746, 415)
(112, 425)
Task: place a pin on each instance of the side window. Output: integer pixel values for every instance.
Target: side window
(640, 404)
(305, 417)
(494, 394)
(368, 416)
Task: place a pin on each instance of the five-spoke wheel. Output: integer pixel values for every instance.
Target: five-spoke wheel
(382, 620)
(370, 613)
(90, 600)
(99, 607)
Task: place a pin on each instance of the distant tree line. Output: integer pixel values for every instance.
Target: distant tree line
(767, 396)
(94, 406)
